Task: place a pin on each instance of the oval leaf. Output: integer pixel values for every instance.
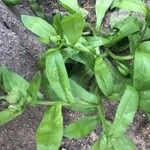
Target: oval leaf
(73, 6)
(101, 8)
(50, 131)
(141, 75)
(38, 26)
(72, 26)
(145, 100)
(81, 127)
(12, 80)
(82, 95)
(57, 76)
(110, 83)
(125, 112)
(8, 115)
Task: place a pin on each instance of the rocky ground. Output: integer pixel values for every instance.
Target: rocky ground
(19, 50)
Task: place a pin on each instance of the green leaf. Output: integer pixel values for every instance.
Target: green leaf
(123, 143)
(110, 83)
(101, 144)
(33, 90)
(147, 35)
(47, 89)
(57, 76)
(86, 59)
(145, 100)
(72, 26)
(120, 143)
(73, 6)
(141, 74)
(12, 2)
(57, 24)
(8, 115)
(50, 132)
(81, 128)
(133, 5)
(134, 40)
(82, 95)
(13, 81)
(14, 96)
(83, 107)
(36, 8)
(101, 8)
(68, 53)
(38, 26)
(125, 112)
(115, 3)
(116, 19)
(126, 27)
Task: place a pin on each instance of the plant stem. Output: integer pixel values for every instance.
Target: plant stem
(102, 119)
(129, 57)
(53, 103)
(46, 103)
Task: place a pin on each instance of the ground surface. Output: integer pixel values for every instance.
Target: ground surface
(19, 134)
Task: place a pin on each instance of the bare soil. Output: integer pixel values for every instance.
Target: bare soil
(19, 134)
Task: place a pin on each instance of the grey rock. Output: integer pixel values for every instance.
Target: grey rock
(18, 47)
(19, 50)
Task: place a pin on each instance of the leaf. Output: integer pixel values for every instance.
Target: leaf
(83, 107)
(72, 26)
(101, 144)
(145, 100)
(86, 59)
(81, 128)
(125, 112)
(109, 82)
(36, 8)
(50, 132)
(33, 90)
(38, 26)
(57, 76)
(147, 35)
(47, 89)
(117, 17)
(13, 81)
(123, 143)
(134, 40)
(81, 94)
(12, 2)
(115, 3)
(68, 53)
(127, 27)
(133, 5)
(73, 6)
(141, 74)
(57, 24)
(101, 8)
(8, 115)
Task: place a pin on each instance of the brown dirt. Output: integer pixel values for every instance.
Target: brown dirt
(19, 134)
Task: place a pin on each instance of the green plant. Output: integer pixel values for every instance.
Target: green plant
(112, 65)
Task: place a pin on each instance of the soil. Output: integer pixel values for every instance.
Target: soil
(19, 134)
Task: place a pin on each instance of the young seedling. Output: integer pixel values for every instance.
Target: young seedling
(115, 66)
